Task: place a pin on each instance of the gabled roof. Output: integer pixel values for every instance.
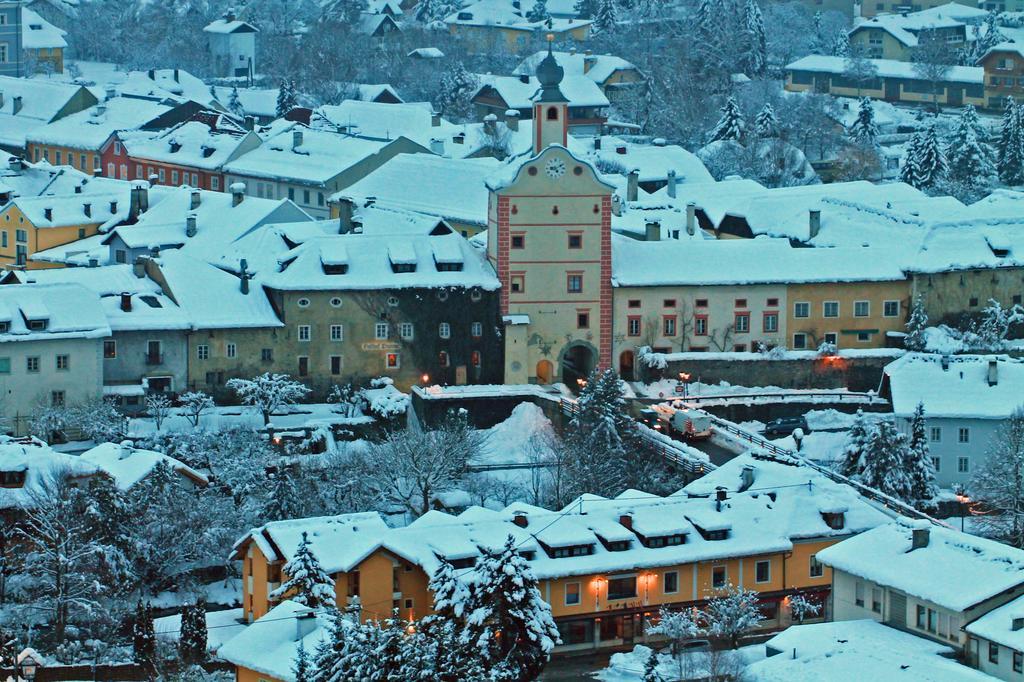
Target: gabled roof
(956, 386)
(518, 92)
(192, 143)
(269, 645)
(42, 466)
(887, 68)
(69, 310)
(40, 103)
(105, 210)
(597, 67)
(39, 34)
(223, 25)
(128, 466)
(89, 129)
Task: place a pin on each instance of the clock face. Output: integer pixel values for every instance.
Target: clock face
(555, 168)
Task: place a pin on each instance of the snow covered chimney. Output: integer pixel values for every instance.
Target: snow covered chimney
(138, 201)
(435, 119)
(139, 267)
(237, 193)
(626, 520)
(305, 623)
(721, 495)
(1018, 624)
(87, 210)
(176, 76)
(113, 208)
(589, 61)
(519, 518)
(672, 180)
(691, 218)
(14, 162)
(993, 372)
(437, 146)
(814, 221)
(243, 267)
(190, 226)
(512, 119)
(746, 477)
(490, 124)
(919, 538)
(296, 139)
(632, 185)
(652, 231)
(194, 200)
(126, 302)
(346, 207)
(250, 122)
(109, 93)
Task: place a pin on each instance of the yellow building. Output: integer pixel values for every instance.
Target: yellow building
(32, 224)
(605, 566)
(847, 314)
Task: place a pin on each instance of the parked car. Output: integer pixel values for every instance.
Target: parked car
(651, 418)
(785, 426)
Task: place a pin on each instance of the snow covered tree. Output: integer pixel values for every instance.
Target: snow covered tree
(918, 462)
(732, 613)
(193, 404)
(284, 501)
(929, 162)
(457, 88)
(287, 99)
(651, 668)
(539, 11)
(766, 124)
(268, 392)
(8, 649)
(971, 166)
(607, 18)
(916, 324)
(801, 607)
(730, 125)
(143, 636)
(507, 619)
(678, 626)
(449, 593)
(98, 420)
(345, 12)
(192, 638)
(235, 103)
(989, 36)
(307, 582)
(1010, 149)
(884, 460)
(856, 444)
(990, 332)
(755, 52)
(839, 46)
(599, 438)
(158, 406)
(302, 669)
(998, 485)
(586, 9)
(430, 11)
(859, 68)
(863, 130)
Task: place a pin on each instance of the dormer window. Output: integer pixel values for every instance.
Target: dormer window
(208, 152)
(175, 147)
(5, 327)
(570, 551)
(403, 267)
(449, 267)
(665, 540)
(836, 520)
(335, 268)
(716, 535)
(462, 563)
(37, 325)
(12, 479)
(617, 546)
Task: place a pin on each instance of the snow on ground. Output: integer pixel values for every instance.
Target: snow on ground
(666, 388)
(518, 439)
(221, 626)
(629, 666)
(224, 417)
(228, 593)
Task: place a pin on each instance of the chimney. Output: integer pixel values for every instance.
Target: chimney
(993, 372)
(437, 146)
(721, 495)
(154, 251)
(94, 262)
(138, 202)
(746, 477)
(1018, 624)
(229, 15)
(490, 124)
(78, 189)
(113, 208)
(296, 139)
(435, 119)
(652, 231)
(305, 623)
(945, 363)
(139, 267)
(243, 284)
(620, 149)
(919, 538)
(1, 99)
(176, 76)
(589, 61)
(250, 122)
(153, 179)
(519, 518)
(691, 218)
(597, 143)
(512, 119)
(194, 199)
(672, 180)
(626, 520)
(126, 302)
(16, 104)
(87, 209)
(152, 74)
(237, 193)
(48, 213)
(346, 207)
(101, 109)
(815, 222)
(190, 226)
(14, 162)
(109, 93)
(632, 185)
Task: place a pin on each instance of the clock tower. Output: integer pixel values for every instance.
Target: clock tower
(549, 240)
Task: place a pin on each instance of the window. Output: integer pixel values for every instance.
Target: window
(305, 196)
(963, 435)
(876, 599)
(801, 309)
(762, 571)
(63, 362)
(772, 303)
(742, 323)
(671, 583)
(861, 308)
(21, 236)
(302, 303)
(817, 568)
(230, 350)
(932, 620)
(109, 349)
(770, 322)
(32, 364)
(891, 309)
(668, 325)
(830, 308)
(973, 301)
(443, 359)
(518, 283)
(380, 331)
(633, 325)
(444, 330)
(582, 320)
(574, 283)
(937, 463)
(634, 303)
(920, 621)
(552, 114)
(572, 594)
(718, 577)
(700, 325)
(622, 588)
(476, 330)
(858, 594)
(474, 358)
(993, 653)
(337, 332)
(963, 465)
(701, 303)
(303, 365)
(405, 330)
(174, 177)
(3, 239)
(741, 303)
(518, 241)
(799, 341)
(5, 365)
(214, 183)
(162, 174)
(935, 434)
(832, 338)
(335, 302)
(335, 364)
(669, 303)
(57, 398)
(575, 241)
(303, 332)
(1018, 662)
(267, 354)
(202, 352)
(392, 361)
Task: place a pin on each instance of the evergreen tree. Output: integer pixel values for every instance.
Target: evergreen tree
(302, 669)
(457, 88)
(756, 47)
(284, 501)
(651, 668)
(345, 11)
(143, 636)
(331, 649)
(307, 583)
(286, 97)
(607, 17)
(918, 464)
(730, 126)
(970, 159)
(600, 438)
(916, 325)
(705, 21)
(1010, 158)
(539, 11)
(508, 621)
(192, 638)
(883, 463)
(586, 9)
(988, 37)
(449, 593)
(999, 484)
(819, 42)
(910, 172)
(863, 130)
(766, 124)
(235, 103)
(931, 162)
(855, 447)
(429, 11)
(840, 44)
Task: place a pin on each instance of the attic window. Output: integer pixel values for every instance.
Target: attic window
(440, 230)
(12, 479)
(666, 540)
(574, 550)
(151, 301)
(37, 325)
(617, 546)
(403, 267)
(1000, 253)
(465, 16)
(36, 27)
(462, 563)
(716, 534)
(208, 152)
(5, 327)
(175, 147)
(449, 267)
(335, 269)
(834, 520)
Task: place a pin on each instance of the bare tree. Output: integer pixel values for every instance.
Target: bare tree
(193, 404)
(860, 69)
(999, 485)
(158, 406)
(933, 59)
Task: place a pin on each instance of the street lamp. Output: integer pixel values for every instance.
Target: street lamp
(683, 378)
(964, 500)
(28, 665)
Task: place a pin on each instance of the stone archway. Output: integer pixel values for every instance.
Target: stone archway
(545, 372)
(627, 361)
(578, 360)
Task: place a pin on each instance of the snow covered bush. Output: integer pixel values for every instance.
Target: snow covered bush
(650, 359)
(193, 404)
(678, 626)
(732, 614)
(158, 406)
(998, 485)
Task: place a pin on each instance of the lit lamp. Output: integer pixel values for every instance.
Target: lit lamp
(683, 378)
(426, 379)
(964, 501)
(598, 582)
(28, 665)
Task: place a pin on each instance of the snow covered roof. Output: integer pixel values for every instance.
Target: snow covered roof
(954, 570)
(225, 25)
(89, 129)
(39, 34)
(652, 161)
(855, 650)
(40, 102)
(597, 67)
(58, 311)
(1007, 46)
(997, 625)
(452, 189)
(191, 144)
(370, 260)
(69, 210)
(905, 27)
(744, 261)
(503, 14)
(384, 121)
(337, 541)
(41, 465)
(261, 102)
(105, 281)
(518, 92)
(270, 644)
(961, 391)
(128, 466)
(176, 83)
(148, 311)
(887, 68)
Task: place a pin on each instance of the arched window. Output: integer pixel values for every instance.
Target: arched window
(552, 113)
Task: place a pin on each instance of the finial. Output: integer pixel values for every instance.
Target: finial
(551, 40)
